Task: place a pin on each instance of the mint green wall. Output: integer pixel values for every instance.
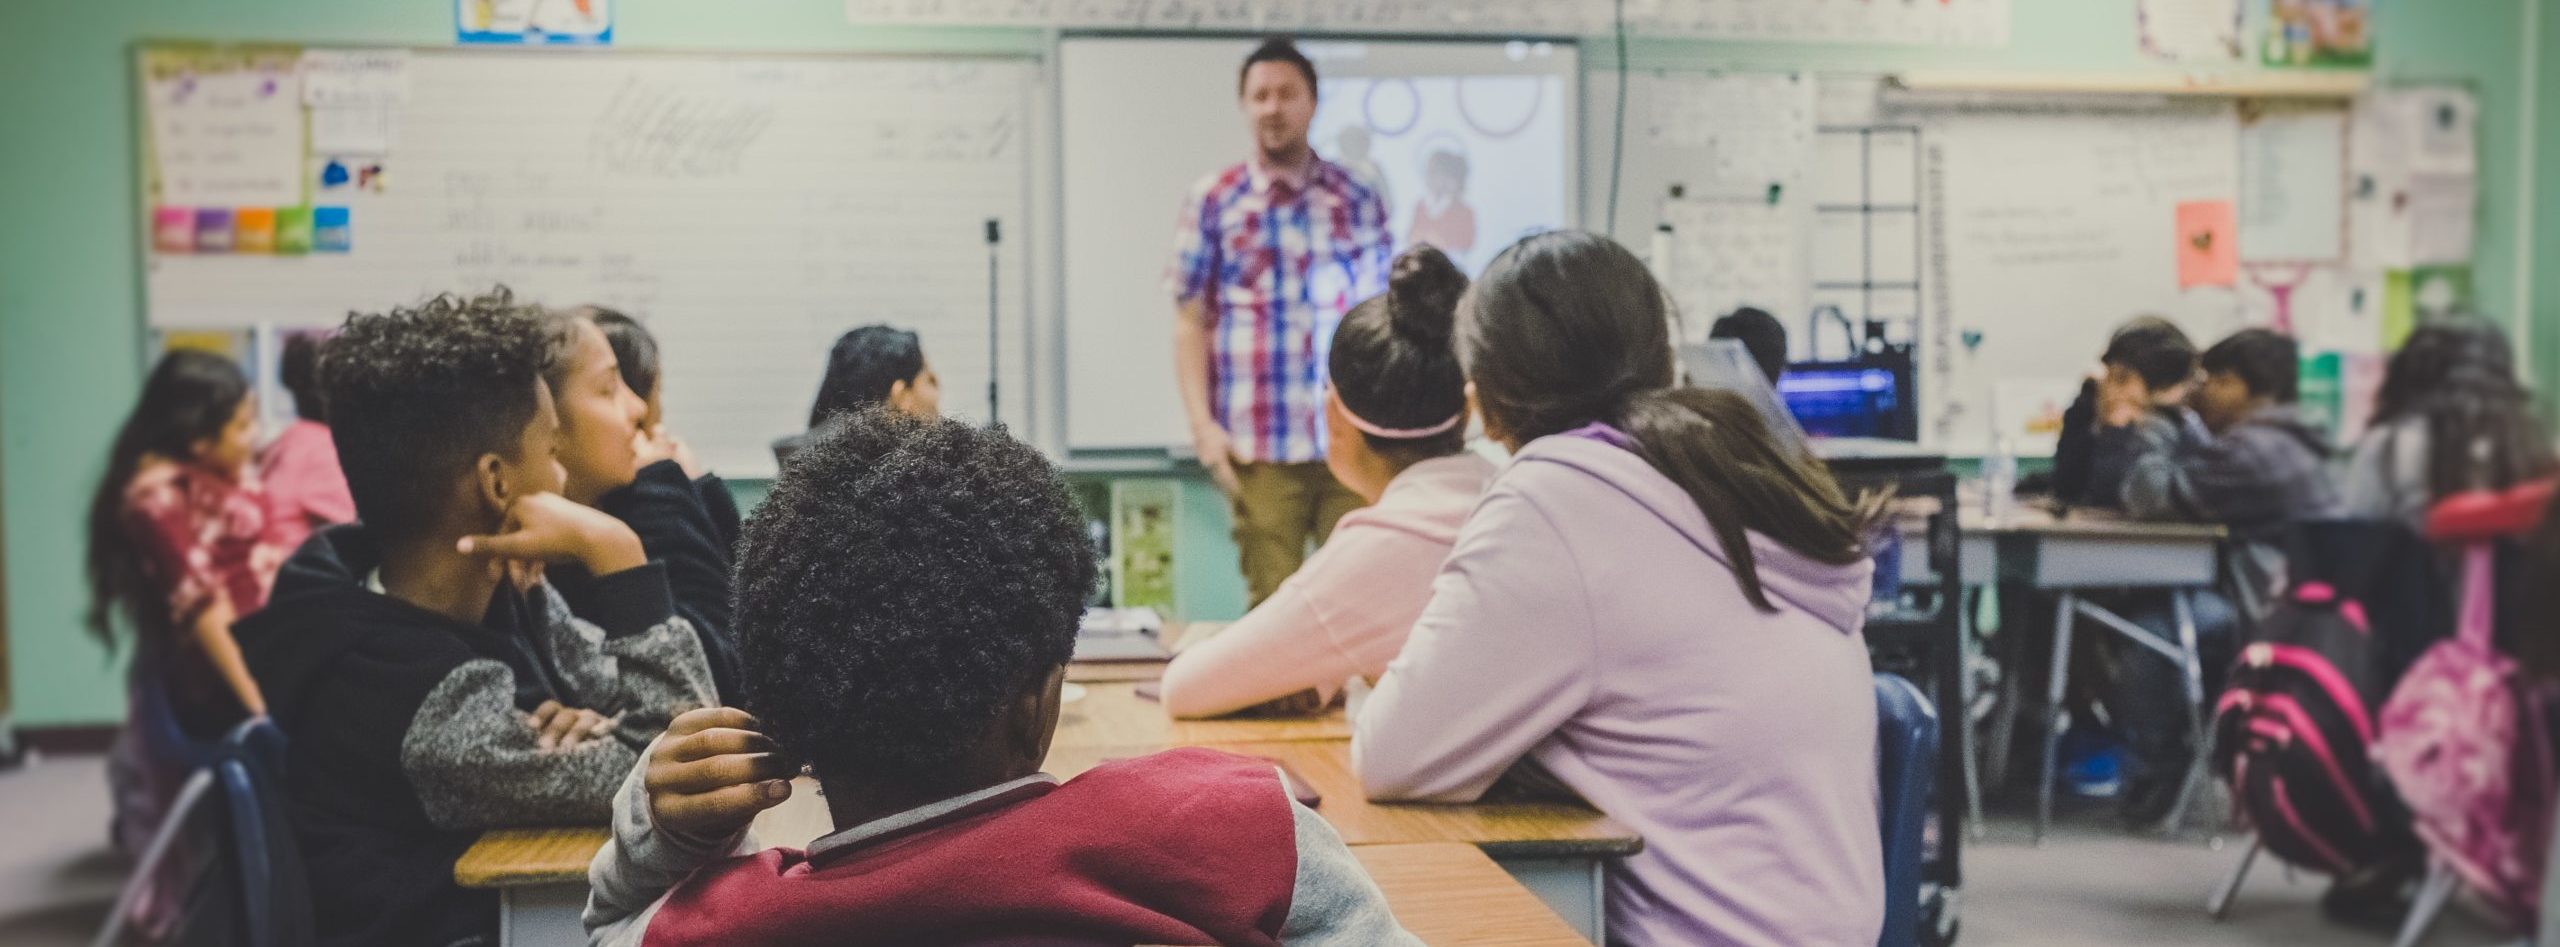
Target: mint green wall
(70, 337)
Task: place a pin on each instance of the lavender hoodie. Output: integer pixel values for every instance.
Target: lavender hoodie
(1587, 620)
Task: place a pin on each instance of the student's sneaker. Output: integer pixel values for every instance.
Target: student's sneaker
(2092, 767)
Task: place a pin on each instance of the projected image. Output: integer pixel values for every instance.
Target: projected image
(1466, 163)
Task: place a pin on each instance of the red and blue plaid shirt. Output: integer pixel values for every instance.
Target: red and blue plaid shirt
(1277, 264)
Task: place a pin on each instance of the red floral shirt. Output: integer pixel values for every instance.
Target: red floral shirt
(205, 535)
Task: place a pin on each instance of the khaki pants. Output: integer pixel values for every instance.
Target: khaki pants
(1278, 509)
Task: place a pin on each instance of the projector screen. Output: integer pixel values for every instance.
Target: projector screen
(1472, 145)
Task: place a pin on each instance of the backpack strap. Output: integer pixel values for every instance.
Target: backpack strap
(2478, 621)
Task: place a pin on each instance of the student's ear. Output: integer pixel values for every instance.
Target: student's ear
(1034, 720)
(491, 485)
(902, 396)
(1492, 431)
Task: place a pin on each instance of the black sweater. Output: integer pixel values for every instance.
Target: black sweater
(408, 736)
(681, 528)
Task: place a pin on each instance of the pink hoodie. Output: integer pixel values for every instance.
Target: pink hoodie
(1347, 610)
(1587, 620)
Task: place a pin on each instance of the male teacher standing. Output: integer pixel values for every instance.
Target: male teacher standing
(1269, 254)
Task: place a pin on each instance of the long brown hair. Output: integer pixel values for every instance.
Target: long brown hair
(190, 396)
(1568, 328)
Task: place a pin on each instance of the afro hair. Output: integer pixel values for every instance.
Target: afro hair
(907, 579)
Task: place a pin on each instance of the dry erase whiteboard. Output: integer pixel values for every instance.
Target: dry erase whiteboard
(747, 208)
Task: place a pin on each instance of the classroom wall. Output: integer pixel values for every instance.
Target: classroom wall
(70, 325)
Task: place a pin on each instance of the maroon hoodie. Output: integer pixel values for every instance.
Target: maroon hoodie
(1186, 847)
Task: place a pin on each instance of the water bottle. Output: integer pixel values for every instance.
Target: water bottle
(2000, 479)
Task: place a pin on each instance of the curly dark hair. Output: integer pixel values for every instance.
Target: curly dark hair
(417, 394)
(906, 580)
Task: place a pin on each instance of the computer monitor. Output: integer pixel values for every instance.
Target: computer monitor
(1867, 397)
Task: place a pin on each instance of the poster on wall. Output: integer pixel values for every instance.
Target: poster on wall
(2318, 33)
(2190, 30)
(533, 22)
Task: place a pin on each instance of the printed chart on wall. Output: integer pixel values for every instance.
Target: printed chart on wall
(2115, 215)
(746, 208)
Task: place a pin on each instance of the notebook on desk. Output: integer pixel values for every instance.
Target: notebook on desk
(1113, 635)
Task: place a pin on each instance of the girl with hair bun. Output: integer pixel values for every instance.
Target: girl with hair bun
(1396, 415)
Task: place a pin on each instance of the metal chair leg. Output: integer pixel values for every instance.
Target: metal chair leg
(2065, 608)
(2219, 904)
(2428, 906)
(2191, 665)
(1969, 649)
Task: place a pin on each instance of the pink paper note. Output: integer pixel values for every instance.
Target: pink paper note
(2208, 244)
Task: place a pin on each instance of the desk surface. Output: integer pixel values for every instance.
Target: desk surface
(2033, 521)
(505, 858)
(1448, 893)
(1501, 828)
(1112, 714)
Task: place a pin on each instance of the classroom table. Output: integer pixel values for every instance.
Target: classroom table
(1112, 714)
(1557, 850)
(2069, 555)
(1444, 892)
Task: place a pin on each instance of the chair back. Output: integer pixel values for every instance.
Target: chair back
(1906, 764)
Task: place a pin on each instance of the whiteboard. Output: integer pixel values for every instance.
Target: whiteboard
(1144, 119)
(2051, 228)
(747, 208)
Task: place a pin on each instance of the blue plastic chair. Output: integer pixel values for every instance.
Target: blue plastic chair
(231, 836)
(1906, 764)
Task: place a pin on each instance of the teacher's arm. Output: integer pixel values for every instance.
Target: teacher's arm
(1191, 372)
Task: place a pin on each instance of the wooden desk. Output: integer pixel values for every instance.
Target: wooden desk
(1109, 672)
(1445, 893)
(1560, 851)
(1113, 715)
(1448, 893)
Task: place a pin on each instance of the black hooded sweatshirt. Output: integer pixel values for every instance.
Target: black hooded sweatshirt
(408, 736)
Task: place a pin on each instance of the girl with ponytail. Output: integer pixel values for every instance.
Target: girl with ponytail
(1397, 418)
(1655, 604)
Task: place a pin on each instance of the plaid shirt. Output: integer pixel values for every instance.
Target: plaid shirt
(1277, 264)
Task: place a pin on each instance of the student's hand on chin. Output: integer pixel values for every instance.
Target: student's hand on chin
(711, 773)
(652, 444)
(547, 527)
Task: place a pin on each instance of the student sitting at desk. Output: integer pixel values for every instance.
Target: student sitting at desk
(1657, 605)
(305, 491)
(1397, 415)
(180, 542)
(620, 463)
(1760, 334)
(2149, 362)
(417, 664)
(635, 353)
(908, 602)
(2244, 459)
(871, 365)
(2451, 417)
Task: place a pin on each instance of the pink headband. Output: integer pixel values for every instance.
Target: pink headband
(1405, 434)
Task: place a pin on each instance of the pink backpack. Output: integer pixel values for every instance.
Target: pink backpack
(2463, 739)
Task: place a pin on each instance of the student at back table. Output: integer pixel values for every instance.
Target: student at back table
(430, 686)
(908, 602)
(1656, 604)
(2244, 458)
(870, 365)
